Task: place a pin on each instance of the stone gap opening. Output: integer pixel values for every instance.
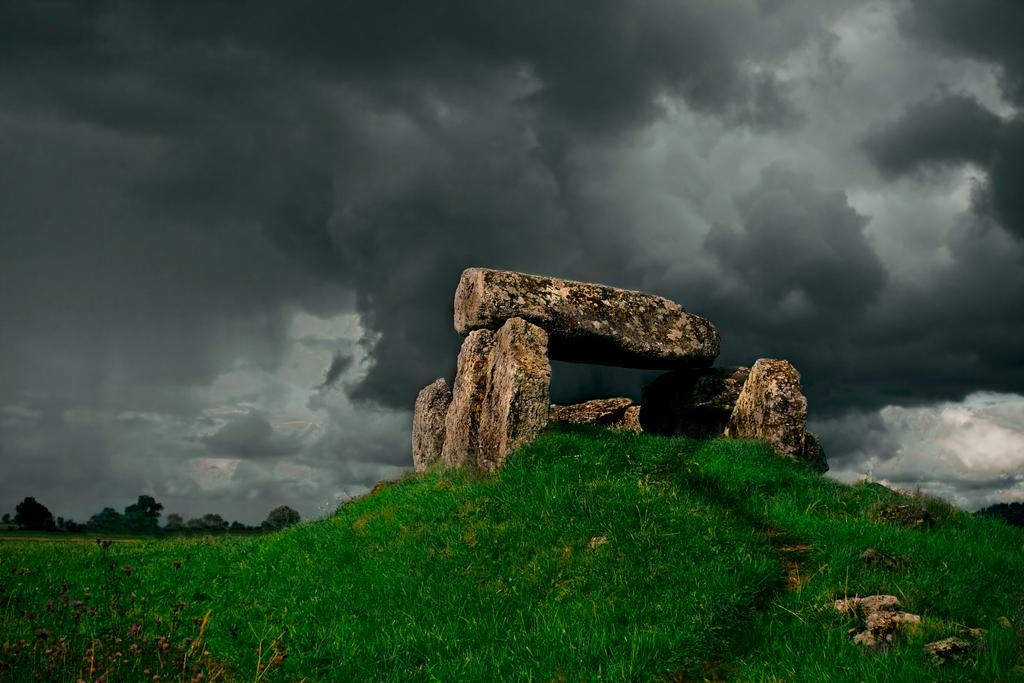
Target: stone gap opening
(579, 382)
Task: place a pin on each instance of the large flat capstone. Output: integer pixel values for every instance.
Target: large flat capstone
(587, 323)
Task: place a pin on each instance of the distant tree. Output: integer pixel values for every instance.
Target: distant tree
(214, 522)
(281, 517)
(1011, 513)
(33, 515)
(108, 520)
(72, 525)
(174, 522)
(7, 518)
(208, 522)
(143, 516)
(238, 526)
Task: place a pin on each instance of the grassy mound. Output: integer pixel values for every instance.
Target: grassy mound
(594, 555)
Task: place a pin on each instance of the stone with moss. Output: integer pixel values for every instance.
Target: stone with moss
(428, 423)
(771, 407)
(501, 395)
(588, 323)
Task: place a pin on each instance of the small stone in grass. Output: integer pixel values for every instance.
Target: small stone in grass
(944, 651)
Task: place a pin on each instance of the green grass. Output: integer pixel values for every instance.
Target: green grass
(595, 555)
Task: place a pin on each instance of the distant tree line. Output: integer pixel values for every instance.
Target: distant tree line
(141, 517)
(1011, 513)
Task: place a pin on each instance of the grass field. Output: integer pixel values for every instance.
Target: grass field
(16, 535)
(44, 537)
(594, 556)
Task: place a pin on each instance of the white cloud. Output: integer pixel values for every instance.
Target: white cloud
(970, 452)
(341, 442)
(212, 473)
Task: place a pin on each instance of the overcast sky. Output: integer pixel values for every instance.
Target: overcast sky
(231, 238)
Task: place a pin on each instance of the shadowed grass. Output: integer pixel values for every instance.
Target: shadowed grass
(594, 555)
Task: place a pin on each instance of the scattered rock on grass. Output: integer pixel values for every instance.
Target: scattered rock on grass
(872, 556)
(861, 607)
(599, 411)
(910, 516)
(944, 651)
(883, 620)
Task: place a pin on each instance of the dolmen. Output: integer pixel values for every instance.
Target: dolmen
(513, 323)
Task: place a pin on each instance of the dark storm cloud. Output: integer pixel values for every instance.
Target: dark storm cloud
(142, 301)
(1001, 197)
(600, 64)
(801, 252)
(385, 147)
(950, 334)
(339, 364)
(795, 269)
(988, 31)
(954, 129)
(945, 129)
(250, 436)
(971, 334)
(770, 108)
(855, 437)
(77, 461)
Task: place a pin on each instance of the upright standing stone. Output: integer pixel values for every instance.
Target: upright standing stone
(428, 423)
(588, 323)
(518, 392)
(469, 393)
(693, 403)
(772, 408)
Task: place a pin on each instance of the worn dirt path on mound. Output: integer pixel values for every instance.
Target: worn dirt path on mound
(792, 555)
